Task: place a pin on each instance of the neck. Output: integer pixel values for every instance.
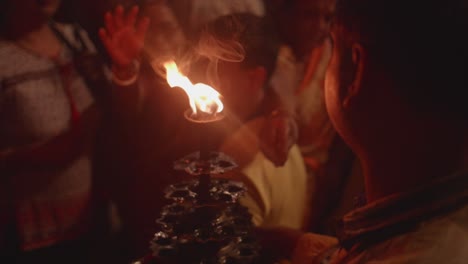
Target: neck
(413, 160)
(41, 41)
(14, 29)
(33, 34)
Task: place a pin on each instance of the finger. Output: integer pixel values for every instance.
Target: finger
(109, 21)
(131, 16)
(105, 39)
(141, 28)
(119, 17)
(107, 42)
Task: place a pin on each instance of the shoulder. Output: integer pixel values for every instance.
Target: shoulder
(16, 61)
(445, 239)
(441, 240)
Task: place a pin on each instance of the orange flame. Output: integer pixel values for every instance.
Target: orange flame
(202, 97)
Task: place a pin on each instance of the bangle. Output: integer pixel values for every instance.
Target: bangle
(132, 79)
(128, 82)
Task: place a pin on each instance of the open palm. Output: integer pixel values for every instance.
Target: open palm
(123, 36)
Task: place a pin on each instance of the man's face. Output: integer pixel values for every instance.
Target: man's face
(305, 23)
(241, 94)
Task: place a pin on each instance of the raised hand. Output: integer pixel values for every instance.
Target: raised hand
(123, 36)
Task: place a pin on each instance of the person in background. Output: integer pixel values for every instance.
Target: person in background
(242, 49)
(195, 14)
(334, 174)
(280, 130)
(140, 151)
(144, 148)
(400, 106)
(303, 27)
(49, 115)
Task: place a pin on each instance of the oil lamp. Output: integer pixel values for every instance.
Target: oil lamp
(204, 223)
(205, 111)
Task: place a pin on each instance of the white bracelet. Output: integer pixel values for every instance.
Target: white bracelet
(125, 82)
(129, 81)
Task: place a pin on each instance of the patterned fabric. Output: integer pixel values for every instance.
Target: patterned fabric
(427, 225)
(52, 204)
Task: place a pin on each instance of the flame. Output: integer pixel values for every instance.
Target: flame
(202, 97)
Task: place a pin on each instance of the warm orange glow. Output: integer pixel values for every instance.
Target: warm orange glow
(202, 97)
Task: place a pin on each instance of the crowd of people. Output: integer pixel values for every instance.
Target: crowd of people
(346, 118)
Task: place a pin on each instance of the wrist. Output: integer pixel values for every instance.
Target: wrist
(125, 75)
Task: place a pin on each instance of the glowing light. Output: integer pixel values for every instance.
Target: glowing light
(202, 97)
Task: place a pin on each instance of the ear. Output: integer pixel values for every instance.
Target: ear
(359, 63)
(257, 76)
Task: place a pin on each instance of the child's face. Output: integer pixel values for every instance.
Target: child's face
(242, 88)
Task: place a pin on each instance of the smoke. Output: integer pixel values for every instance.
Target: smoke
(216, 50)
(217, 42)
(165, 39)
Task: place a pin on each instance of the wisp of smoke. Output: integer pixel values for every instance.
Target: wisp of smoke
(216, 43)
(216, 50)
